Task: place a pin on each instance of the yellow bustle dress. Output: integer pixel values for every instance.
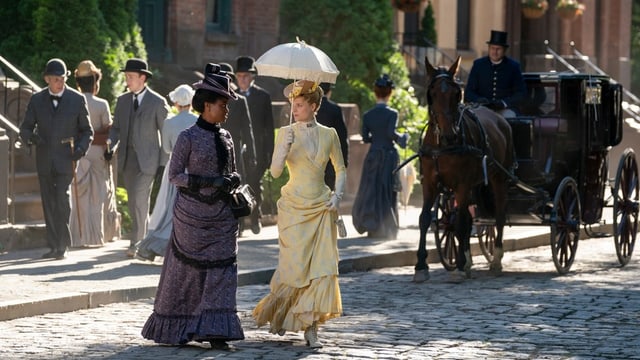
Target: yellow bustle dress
(304, 287)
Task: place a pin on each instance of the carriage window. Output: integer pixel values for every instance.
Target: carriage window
(549, 104)
(592, 95)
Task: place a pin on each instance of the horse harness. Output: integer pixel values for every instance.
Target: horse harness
(462, 114)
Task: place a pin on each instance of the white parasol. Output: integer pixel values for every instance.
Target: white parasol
(297, 61)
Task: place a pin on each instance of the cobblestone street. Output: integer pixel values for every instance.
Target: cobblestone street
(528, 313)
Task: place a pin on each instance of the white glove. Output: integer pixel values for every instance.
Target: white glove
(280, 152)
(288, 137)
(334, 203)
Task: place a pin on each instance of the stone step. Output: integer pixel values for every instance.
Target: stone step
(26, 183)
(28, 208)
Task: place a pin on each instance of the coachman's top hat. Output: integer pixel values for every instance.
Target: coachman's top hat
(498, 38)
(246, 64)
(137, 65)
(217, 81)
(56, 67)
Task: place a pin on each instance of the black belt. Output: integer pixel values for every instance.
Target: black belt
(202, 264)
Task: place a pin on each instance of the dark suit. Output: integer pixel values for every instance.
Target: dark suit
(136, 135)
(496, 82)
(54, 164)
(239, 125)
(330, 115)
(261, 113)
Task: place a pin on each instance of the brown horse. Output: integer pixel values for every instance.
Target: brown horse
(457, 140)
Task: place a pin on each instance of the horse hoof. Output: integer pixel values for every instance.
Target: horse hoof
(457, 277)
(495, 269)
(421, 276)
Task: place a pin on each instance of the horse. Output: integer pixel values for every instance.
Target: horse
(464, 146)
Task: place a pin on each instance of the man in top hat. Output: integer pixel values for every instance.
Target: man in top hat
(138, 118)
(496, 80)
(57, 122)
(263, 128)
(330, 114)
(240, 126)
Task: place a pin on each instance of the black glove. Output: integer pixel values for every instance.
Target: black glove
(108, 155)
(496, 105)
(235, 180)
(482, 101)
(223, 183)
(35, 139)
(77, 154)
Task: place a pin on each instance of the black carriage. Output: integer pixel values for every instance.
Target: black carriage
(568, 124)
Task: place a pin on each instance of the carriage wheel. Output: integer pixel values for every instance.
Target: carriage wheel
(447, 243)
(487, 241)
(565, 225)
(625, 207)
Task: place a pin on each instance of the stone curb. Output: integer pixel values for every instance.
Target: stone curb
(86, 300)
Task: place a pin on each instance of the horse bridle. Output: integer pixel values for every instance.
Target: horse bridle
(448, 114)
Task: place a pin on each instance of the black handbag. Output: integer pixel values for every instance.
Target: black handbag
(242, 201)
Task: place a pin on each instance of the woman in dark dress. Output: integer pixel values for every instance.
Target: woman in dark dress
(375, 209)
(196, 298)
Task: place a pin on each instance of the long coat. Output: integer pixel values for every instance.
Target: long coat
(240, 125)
(143, 134)
(69, 120)
(261, 112)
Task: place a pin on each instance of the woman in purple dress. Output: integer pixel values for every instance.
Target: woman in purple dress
(196, 297)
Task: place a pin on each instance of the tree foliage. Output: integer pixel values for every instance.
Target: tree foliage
(104, 31)
(428, 34)
(358, 37)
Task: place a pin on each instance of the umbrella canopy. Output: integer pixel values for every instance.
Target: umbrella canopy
(297, 61)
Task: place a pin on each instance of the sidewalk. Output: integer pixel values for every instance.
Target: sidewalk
(91, 277)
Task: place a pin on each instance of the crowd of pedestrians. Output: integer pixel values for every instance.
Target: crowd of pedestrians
(231, 139)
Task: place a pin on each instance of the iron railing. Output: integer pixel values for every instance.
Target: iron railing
(15, 91)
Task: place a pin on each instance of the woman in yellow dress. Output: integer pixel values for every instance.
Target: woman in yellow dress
(304, 290)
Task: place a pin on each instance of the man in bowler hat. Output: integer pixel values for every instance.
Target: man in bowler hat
(496, 80)
(138, 118)
(57, 123)
(263, 128)
(329, 114)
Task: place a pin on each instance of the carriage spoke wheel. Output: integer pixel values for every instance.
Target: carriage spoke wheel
(565, 225)
(487, 241)
(625, 207)
(445, 225)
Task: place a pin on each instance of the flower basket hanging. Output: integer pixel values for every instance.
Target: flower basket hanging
(569, 9)
(407, 5)
(534, 9)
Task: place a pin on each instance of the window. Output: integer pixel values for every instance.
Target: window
(463, 25)
(218, 16)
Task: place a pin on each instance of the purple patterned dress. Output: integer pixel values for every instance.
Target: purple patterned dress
(196, 298)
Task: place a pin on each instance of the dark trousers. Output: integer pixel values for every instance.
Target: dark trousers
(54, 191)
(255, 181)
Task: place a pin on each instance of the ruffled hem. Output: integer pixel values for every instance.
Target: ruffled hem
(294, 309)
(178, 330)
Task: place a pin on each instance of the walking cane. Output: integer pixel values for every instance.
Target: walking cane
(70, 141)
